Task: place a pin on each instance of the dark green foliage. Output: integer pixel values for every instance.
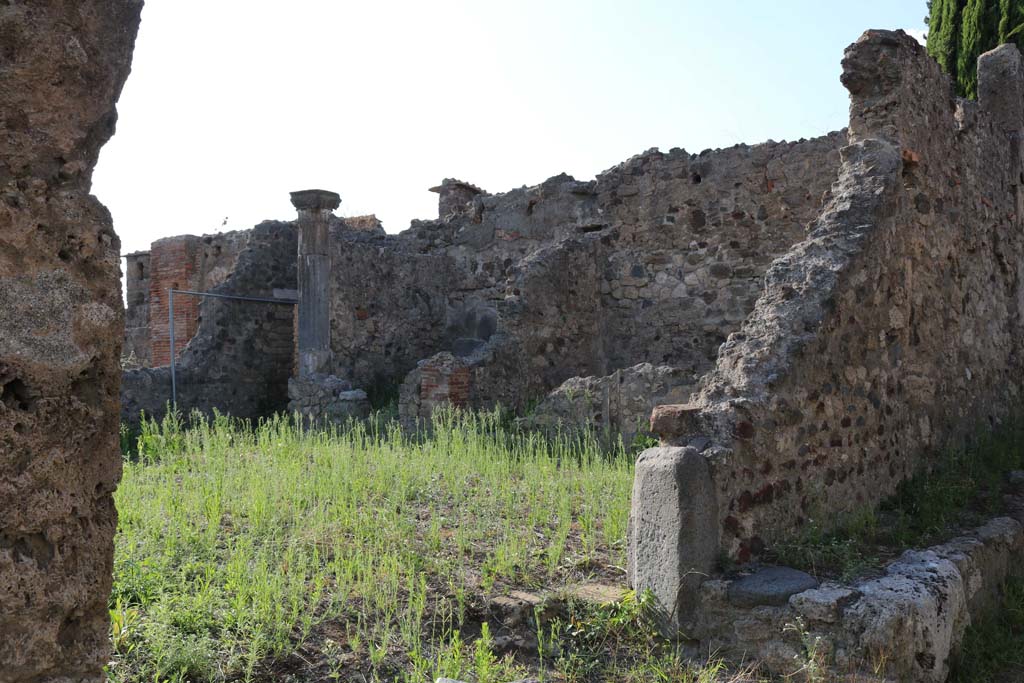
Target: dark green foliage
(979, 32)
(1010, 17)
(382, 394)
(959, 31)
(944, 33)
(993, 647)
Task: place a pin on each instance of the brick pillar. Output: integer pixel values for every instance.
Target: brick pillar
(173, 265)
(314, 338)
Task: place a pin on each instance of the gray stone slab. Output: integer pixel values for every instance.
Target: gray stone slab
(770, 586)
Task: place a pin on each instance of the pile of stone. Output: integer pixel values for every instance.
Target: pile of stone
(326, 397)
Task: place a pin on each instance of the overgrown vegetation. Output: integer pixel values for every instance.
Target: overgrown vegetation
(993, 648)
(274, 553)
(964, 489)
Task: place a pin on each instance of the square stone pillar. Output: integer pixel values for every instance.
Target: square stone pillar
(314, 335)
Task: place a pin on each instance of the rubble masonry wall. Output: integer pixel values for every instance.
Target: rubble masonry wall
(891, 332)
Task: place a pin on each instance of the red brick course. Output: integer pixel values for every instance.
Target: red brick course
(173, 265)
(444, 383)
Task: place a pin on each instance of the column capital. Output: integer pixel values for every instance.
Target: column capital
(315, 200)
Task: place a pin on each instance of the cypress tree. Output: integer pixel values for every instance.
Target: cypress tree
(944, 33)
(978, 33)
(1008, 19)
(959, 31)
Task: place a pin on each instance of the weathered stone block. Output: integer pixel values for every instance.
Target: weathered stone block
(673, 533)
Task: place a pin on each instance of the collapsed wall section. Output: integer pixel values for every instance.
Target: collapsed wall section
(242, 353)
(543, 329)
(62, 67)
(891, 332)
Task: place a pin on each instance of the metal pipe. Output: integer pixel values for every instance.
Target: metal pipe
(237, 298)
(170, 316)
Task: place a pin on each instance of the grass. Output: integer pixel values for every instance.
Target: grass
(964, 489)
(276, 553)
(992, 650)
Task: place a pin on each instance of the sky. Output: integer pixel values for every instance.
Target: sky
(232, 104)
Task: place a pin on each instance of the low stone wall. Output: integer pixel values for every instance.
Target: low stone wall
(615, 406)
(326, 398)
(441, 380)
(893, 331)
(905, 625)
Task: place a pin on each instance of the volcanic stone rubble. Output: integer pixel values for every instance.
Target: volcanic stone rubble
(62, 66)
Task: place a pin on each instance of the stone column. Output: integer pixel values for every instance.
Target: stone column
(315, 208)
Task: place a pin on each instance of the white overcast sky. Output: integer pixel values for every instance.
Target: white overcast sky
(231, 104)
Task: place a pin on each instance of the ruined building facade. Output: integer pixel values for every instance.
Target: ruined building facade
(892, 331)
(805, 324)
(573, 303)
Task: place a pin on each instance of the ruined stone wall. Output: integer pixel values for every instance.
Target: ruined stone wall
(388, 305)
(693, 236)
(892, 331)
(696, 234)
(62, 66)
(550, 326)
(136, 352)
(184, 262)
(241, 356)
(905, 624)
(655, 261)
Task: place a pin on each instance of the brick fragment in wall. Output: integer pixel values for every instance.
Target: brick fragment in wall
(186, 262)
